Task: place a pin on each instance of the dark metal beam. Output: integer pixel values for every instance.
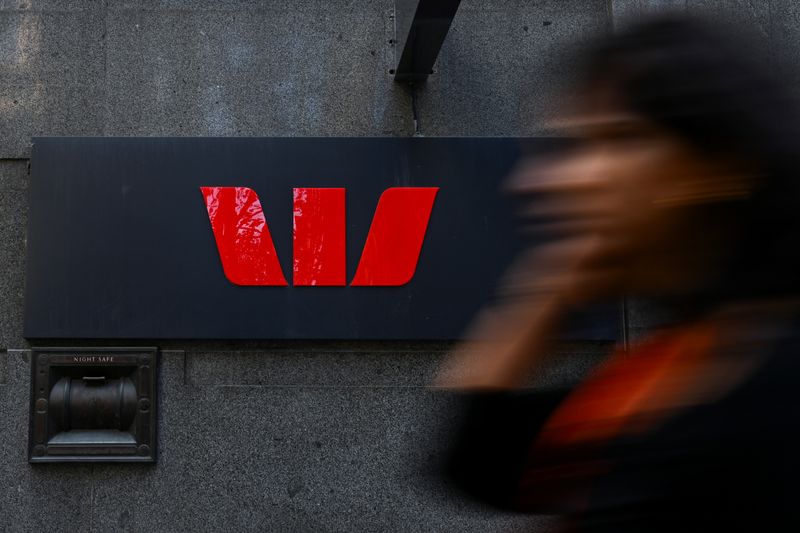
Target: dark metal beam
(422, 26)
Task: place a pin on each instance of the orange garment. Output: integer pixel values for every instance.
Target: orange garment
(627, 394)
(632, 390)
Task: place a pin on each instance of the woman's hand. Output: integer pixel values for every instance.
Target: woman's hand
(571, 199)
(508, 338)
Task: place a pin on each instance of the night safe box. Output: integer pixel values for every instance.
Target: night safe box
(93, 404)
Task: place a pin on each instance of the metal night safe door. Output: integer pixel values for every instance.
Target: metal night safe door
(93, 405)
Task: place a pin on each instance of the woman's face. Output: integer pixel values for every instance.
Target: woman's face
(633, 190)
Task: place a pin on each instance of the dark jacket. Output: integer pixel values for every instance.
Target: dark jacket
(733, 465)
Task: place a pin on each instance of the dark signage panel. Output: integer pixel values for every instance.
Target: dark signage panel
(266, 238)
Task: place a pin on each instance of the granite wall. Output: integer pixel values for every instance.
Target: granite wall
(278, 436)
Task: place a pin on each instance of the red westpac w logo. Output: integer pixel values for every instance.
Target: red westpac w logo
(389, 257)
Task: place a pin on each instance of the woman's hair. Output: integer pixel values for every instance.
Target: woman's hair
(707, 89)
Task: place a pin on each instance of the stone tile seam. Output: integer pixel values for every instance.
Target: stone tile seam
(149, 343)
(3, 367)
(187, 380)
(153, 10)
(246, 386)
(321, 351)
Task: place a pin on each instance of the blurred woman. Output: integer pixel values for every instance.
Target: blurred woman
(683, 187)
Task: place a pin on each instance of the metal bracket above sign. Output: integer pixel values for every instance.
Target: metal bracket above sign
(93, 405)
(422, 26)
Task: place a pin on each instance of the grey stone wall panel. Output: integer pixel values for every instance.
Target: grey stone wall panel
(280, 459)
(13, 218)
(504, 65)
(412, 367)
(784, 29)
(144, 68)
(53, 76)
(270, 71)
(320, 367)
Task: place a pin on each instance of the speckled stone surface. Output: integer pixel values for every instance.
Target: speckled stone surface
(783, 25)
(53, 80)
(758, 21)
(197, 68)
(13, 217)
(327, 366)
(503, 66)
(267, 69)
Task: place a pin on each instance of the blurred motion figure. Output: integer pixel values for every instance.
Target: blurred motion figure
(681, 188)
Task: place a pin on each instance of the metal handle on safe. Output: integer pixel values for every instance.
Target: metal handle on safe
(93, 402)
